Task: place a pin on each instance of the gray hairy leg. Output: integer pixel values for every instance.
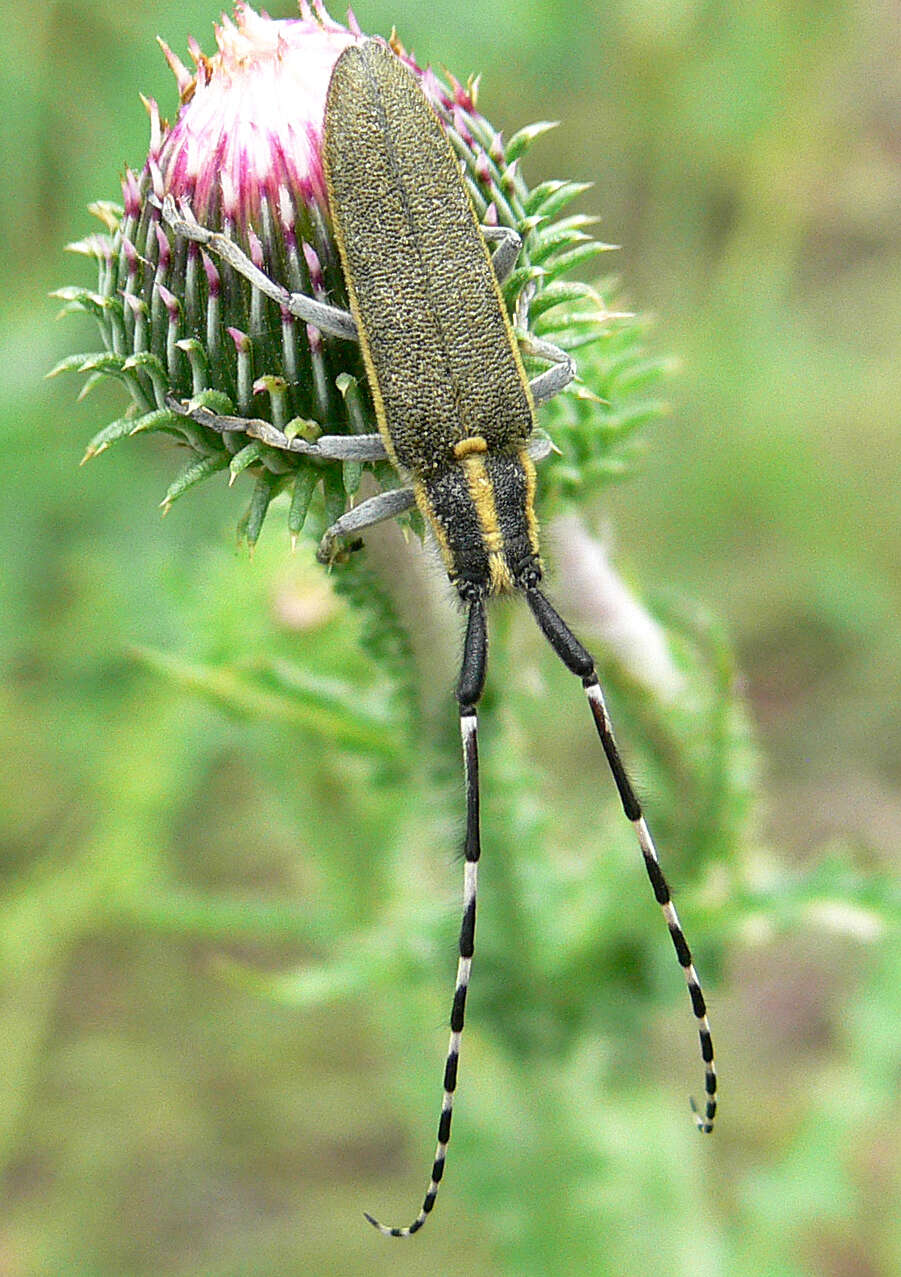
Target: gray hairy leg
(328, 319)
(326, 447)
(508, 242)
(554, 379)
(384, 505)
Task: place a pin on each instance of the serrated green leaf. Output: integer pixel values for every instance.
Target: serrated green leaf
(548, 198)
(639, 374)
(109, 212)
(575, 336)
(147, 362)
(100, 247)
(94, 379)
(304, 486)
(334, 493)
(518, 280)
(94, 304)
(195, 352)
(538, 194)
(246, 457)
(265, 489)
(626, 421)
(157, 419)
(104, 362)
(117, 429)
(551, 241)
(216, 400)
(352, 473)
(558, 292)
(558, 263)
(578, 390)
(521, 140)
(194, 473)
(351, 726)
(76, 363)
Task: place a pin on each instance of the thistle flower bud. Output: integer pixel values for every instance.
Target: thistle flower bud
(244, 153)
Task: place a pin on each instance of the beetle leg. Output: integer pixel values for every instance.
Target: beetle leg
(384, 505)
(509, 242)
(540, 446)
(328, 319)
(342, 447)
(326, 447)
(554, 379)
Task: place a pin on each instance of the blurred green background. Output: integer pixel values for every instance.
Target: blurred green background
(229, 903)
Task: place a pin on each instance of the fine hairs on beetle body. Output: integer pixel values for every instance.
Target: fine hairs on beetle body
(456, 417)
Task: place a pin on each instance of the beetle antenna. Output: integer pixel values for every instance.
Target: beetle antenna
(468, 693)
(581, 663)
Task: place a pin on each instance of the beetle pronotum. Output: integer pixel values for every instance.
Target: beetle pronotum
(456, 417)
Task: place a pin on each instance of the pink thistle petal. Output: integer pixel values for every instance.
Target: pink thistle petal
(256, 249)
(132, 260)
(169, 300)
(213, 278)
(183, 77)
(156, 128)
(156, 178)
(135, 304)
(253, 122)
(314, 266)
(243, 344)
(432, 87)
(131, 194)
(165, 252)
(199, 58)
(462, 128)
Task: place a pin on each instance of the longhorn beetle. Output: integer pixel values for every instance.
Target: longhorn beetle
(456, 416)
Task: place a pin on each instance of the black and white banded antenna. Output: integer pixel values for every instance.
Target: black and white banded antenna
(470, 684)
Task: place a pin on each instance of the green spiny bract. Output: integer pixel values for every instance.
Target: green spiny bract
(244, 151)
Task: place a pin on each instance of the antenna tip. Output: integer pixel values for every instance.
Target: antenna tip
(704, 1124)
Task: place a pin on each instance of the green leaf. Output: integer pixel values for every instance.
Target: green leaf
(548, 198)
(194, 472)
(349, 724)
(304, 486)
(555, 294)
(109, 212)
(521, 141)
(215, 400)
(351, 474)
(82, 299)
(117, 429)
(639, 374)
(335, 496)
(266, 488)
(158, 419)
(628, 420)
(100, 247)
(559, 263)
(246, 457)
(76, 363)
